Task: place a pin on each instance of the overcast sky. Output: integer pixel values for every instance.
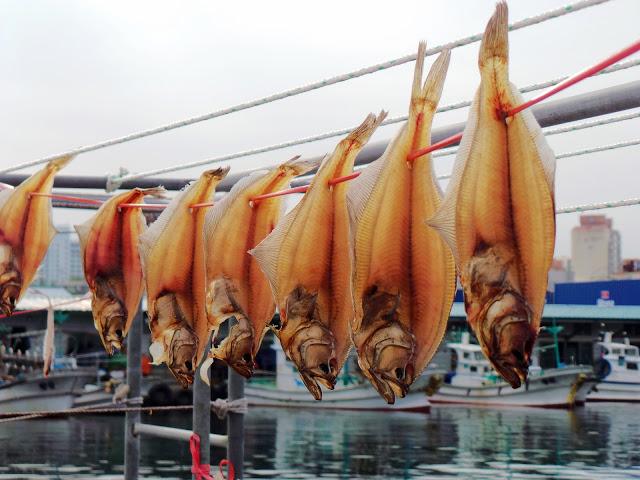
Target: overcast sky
(78, 72)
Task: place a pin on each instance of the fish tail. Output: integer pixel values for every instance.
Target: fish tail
(363, 132)
(158, 191)
(434, 83)
(297, 166)
(216, 173)
(60, 162)
(416, 88)
(495, 42)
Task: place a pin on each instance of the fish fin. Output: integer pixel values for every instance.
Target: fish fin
(267, 252)
(4, 195)
(495, 41)
(83, 230)
(416, 89)
(361, 135)
(444, 220)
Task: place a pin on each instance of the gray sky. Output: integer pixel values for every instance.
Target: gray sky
(78, 72)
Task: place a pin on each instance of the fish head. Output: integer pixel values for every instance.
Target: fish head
(507, 336)
(310, 344)
(181, 355)
(237, 348)
(10, 281)
(109, 316)
(387, 354)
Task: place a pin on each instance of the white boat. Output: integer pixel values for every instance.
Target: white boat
(352, 391)
(473, 381)
(617, 368)
(28, 390)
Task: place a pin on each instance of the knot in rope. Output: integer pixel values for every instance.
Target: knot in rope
(222, 406)
(202, 471)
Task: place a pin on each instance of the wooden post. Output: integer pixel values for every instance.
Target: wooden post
(134, 379)
(235, 424)
(202, 415)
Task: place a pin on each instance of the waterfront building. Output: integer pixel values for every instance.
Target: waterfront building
(595, 249)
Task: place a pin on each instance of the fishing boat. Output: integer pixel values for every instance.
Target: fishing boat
(473, 381)
(352, 390)
(616, 366)
(24, 388)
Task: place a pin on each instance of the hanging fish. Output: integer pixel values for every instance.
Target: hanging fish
(404, 274)
(109, 250)
(48, 347)
(498, 214)
(236, 288)
(26, 230)
(172, 254)
(307, 262)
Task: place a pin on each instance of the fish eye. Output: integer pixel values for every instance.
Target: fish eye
(118, 333)
(399, 373)
(246, 357)
(188, 365)
(324, 367)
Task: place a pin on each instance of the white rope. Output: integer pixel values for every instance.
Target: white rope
(557, 131)
(576, 153)
(115, 181)
(558, 12)
(599, 206)
(222, 406)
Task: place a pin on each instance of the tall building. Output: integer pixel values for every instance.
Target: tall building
(595, 249)
(62, 265)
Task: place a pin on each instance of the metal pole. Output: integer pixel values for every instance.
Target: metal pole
(202, 416)
(235, 423)
(578, 107)
(134, 379)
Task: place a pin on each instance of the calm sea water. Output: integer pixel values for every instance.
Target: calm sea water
(601, 441)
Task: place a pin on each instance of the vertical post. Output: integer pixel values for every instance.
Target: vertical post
(134, 379)
(235, 424)
(202, 415)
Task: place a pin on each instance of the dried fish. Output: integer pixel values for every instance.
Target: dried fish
(404, 274)
(173, 261)
(498, 213)
(307, 262)
(109, 249)
(236, 287)
(26, 230)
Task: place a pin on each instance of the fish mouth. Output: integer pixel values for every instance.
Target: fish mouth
(244, 366)
(8, 295)
(182, 356)
(395, 380)
(313, 379)
(237, 348)
(511, 338)
(320, 366)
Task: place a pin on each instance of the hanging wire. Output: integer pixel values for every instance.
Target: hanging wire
(116, 181)
(558, 12)
(599, 206)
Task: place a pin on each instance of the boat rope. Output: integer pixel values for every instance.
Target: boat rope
(16, 416)
(115, 181)
(558, 12)
(222, 406)
(599, 206)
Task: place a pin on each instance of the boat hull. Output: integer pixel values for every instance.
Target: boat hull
(360, 397)
(37, 393)
(563, 388)
(612, 391)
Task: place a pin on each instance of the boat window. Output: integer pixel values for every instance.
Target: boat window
(632, 366)
(486, 369)
(466, 355)
(633, 352)
(465, 365)
(473, 368)
(616, 351)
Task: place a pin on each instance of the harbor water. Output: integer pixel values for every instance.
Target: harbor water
(598, 441)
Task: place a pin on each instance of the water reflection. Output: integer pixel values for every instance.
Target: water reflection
(453, 442)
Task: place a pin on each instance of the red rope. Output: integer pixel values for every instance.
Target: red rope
(230, 470)
(68, 198)
(201, 471)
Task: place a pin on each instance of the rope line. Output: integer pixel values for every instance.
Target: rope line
(116, 181)
(12, 417)
(558, 12)
(599, 206)
(66, 302)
